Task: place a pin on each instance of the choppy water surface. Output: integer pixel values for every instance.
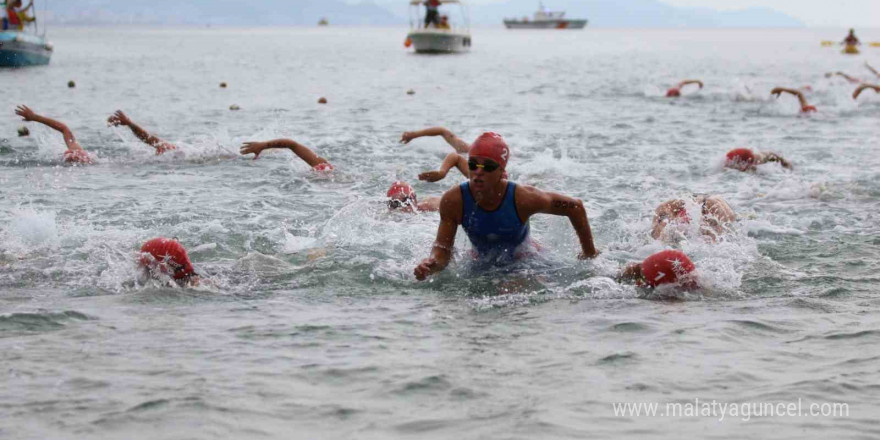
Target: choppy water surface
(315, 327)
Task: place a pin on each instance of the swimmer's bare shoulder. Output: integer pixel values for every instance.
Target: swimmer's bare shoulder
(451, 205)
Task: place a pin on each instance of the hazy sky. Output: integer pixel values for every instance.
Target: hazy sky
(821, 13)
(840, 13)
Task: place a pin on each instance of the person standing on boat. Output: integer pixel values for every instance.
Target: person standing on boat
(17, 16)
(495, 212)
(75, 154)
(432, 13)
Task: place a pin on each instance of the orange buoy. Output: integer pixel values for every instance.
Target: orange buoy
(408, 42)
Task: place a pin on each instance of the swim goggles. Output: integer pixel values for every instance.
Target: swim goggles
(487, 165)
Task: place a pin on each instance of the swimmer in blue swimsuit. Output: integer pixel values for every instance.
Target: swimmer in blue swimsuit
(495, 213)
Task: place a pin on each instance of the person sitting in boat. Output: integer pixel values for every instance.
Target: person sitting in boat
(75, 154)
(444, 22)
(432, 13)
(120, 118)
(305, 153)
(16, 16)
(851, 39)
(805, 106)
(675, 92)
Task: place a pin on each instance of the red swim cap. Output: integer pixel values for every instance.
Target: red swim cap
(401, 190)
(741, 159)
(167, 256)
(674, 92)
(323, 166)
(491, 146)
(665, 267)
(77, 156)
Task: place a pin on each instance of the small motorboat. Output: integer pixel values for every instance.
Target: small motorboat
(22, 48)
(19, 49)
(545, 19)
(443, 36)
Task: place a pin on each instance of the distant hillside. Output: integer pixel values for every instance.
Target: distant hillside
(220, 12)
(601, 13)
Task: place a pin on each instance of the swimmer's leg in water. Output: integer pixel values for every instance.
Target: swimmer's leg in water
(303, 152)
(120, 118)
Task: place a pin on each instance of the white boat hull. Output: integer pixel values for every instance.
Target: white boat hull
(434, 41)
(545, 24)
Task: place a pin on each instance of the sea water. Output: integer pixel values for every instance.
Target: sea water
(313, 326)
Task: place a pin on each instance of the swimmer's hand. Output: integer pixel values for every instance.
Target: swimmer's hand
(426, 268)
(253, 147)
(25, 112)
(776, 91)
(118, 118)
(407, 136)
(432, 176)
(587, 256)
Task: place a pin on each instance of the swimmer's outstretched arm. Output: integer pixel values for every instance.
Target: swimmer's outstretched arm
(632, 273)
(690, 81)
(762, 158)
(875, 72)
(304, 153)
(800, 95)
(862, 88)
(69, 139)
(452, 160)
(441, 252)
(120, 118)
(534, 201)
(453, 140)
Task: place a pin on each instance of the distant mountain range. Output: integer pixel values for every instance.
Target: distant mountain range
(601, 13)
